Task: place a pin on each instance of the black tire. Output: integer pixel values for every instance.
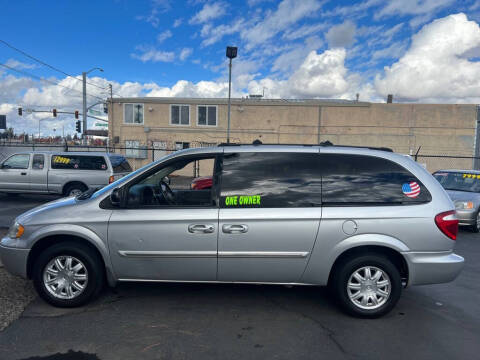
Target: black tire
(345, 270)
(72, 187)
(90, 259)
(475, 228)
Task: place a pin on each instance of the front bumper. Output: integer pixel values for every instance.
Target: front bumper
(466, 217)
(433, 267)
(14, 259)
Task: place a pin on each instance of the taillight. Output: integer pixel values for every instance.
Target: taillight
(447, 222)
(111, 179)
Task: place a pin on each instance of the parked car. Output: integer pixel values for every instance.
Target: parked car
(364, 222)
(201, 183)
(66, 173)
(463, 187)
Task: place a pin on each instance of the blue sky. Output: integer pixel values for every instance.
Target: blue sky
(289, 49)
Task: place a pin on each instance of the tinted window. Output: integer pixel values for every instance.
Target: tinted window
(270, 180)
(368, 180)
(460, 181)
(78, 162)
(38, 162)
(19, 161)
(120, 164)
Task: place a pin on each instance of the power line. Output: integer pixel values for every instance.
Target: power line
(48, 81)
(44, 63)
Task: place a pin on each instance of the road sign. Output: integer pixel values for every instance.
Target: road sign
(95, 112)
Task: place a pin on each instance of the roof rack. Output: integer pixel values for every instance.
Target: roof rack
(324, 143)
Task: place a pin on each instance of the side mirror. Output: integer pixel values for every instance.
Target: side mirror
(115, 197)
(166, 180)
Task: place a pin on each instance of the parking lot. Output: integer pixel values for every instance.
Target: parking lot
(196, 321)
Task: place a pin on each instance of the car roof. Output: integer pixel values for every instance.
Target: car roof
(94, 153)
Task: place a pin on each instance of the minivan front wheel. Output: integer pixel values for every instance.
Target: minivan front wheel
(68, 274)
(367, 286)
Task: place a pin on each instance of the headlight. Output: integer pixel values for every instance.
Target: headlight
(467, 205)
(15, 231)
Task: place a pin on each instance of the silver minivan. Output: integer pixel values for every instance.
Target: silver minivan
(365, 222)
(66, 173)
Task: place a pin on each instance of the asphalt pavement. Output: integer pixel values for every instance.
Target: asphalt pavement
(196, 321)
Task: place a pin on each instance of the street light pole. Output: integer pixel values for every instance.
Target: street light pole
(84, 115)
(229, 98)
(231, 54)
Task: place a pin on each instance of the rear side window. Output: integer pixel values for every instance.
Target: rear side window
(38, 162)
(270, 180)
(368, 180)
(78, 162)
(120, 164)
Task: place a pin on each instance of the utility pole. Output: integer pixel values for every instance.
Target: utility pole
(110, 115)
(84, 112)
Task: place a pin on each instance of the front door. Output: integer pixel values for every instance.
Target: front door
(167, 230)
(15, 173)
(270, 210)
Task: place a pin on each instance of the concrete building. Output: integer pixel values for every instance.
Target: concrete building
(167, 124)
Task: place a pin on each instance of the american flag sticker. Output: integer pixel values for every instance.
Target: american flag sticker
(411, 189)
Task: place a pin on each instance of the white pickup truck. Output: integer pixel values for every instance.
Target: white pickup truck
(67, 173)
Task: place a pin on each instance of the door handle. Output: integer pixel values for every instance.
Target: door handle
(201, 228)
(23, 173)
(234, 229)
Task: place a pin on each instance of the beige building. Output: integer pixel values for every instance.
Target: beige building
(167, 124)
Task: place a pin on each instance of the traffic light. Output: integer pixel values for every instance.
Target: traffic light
(20, 111)
(76, 114)
(54, 112)
(78, 126)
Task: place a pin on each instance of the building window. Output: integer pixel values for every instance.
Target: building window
(181, 145)
(131, 148)
(207, 115)
(180, 115)
(133, 113)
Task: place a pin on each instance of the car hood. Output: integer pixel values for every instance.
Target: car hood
(464, 196)
(63, 202)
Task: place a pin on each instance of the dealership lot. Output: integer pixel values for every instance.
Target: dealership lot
(240, 321)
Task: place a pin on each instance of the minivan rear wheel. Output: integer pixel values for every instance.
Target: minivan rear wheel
(367, 285)
(68, 274)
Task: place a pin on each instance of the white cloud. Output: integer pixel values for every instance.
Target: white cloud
(164, 35)
(342, 35)
(412, 7)
(213, 34)
(151, 54)
(303, 31)
(435, 67)
(185, 53)
(209, 12)
(290, 60)
(177, 22)
(19, 65)
(157, 7)
(288, 13)
(393, 51)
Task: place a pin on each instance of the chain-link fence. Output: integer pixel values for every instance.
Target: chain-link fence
(139, 155)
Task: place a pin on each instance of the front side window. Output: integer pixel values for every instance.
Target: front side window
(207, 115)
(270, 180)
(459, 181)
(38, 162)
(78, 162)
(133, 113)
(181, 183)
(351, 180)
(19, 161)
(180, 114)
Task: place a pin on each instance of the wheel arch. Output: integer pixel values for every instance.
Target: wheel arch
(392, 254)
(73, 182)
(43, 241)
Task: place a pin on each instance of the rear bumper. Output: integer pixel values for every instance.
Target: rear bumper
(432, 267)
(466, 217)
(14, 260)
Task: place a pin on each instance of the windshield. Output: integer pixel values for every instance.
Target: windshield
(459, 181)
